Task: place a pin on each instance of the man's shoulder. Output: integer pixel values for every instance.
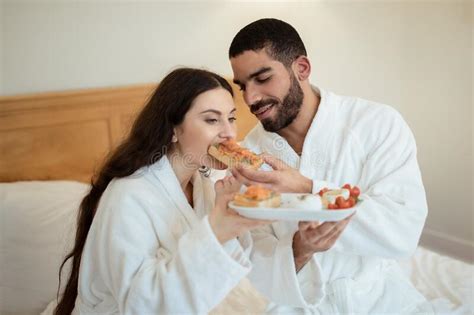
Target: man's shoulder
(358, 111)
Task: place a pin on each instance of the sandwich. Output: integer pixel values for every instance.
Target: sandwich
(231, 154)
(258, 196)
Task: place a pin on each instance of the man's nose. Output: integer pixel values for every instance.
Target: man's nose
(252, 95)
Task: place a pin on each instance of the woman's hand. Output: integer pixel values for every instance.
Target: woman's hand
(225, 222)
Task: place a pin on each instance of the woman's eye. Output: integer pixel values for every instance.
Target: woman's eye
(211, 121)
(232, 119)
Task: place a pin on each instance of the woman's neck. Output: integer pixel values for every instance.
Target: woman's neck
(184, 172)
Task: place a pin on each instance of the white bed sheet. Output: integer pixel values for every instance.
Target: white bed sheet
(446, 282)
(37, 219)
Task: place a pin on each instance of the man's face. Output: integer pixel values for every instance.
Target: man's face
(271, 91)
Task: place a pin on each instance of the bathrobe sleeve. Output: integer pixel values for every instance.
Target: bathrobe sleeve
(145, 278)
(274, 271)
(390, 219)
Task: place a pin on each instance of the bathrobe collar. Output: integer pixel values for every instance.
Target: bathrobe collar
(203, 195)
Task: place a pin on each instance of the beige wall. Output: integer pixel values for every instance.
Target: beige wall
(415, 56)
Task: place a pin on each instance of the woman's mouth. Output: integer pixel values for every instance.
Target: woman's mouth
(264, 111)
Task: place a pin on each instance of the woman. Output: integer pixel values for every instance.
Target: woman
(153, 237)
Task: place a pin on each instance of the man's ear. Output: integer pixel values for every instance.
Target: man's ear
(302, 68)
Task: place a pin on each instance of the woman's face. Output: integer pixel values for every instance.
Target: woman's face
(210, 120)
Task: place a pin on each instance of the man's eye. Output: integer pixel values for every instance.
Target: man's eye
(262, 80)
(211, 121)
(242, 87)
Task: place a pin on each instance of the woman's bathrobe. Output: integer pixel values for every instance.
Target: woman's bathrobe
(149, 252)
(366, 144)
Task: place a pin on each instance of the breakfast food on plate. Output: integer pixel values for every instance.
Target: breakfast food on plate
(302, 201)
(343, 198)
(257, 196)
(231, 153)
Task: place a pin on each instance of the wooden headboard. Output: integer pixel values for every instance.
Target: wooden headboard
(66, 135)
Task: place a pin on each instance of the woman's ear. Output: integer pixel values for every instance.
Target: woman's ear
(302, 68)
(174, 138)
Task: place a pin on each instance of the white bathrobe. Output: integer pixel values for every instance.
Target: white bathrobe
(149, 252)
(365, 144)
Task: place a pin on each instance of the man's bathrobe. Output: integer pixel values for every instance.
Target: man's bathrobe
(365, 144)
(149, 252)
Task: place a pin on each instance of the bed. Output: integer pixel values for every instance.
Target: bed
(50, 145)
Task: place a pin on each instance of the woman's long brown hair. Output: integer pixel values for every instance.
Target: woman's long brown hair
(147, 142)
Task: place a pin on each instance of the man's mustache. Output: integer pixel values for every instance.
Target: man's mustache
(257, 105)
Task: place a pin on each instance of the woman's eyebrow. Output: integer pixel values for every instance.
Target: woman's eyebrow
(216, 111)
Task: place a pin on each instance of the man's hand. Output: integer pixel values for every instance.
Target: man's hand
(313, 237)
(283, 178)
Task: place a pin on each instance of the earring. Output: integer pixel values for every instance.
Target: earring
(174, 139)
(205, 171)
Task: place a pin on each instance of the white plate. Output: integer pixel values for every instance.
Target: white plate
(288, 212)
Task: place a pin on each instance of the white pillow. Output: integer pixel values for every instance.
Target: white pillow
(36, 231)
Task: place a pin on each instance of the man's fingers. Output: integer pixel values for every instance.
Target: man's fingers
(240, 177)
(274, 162)
(331, 239)
(326, 228)
(256, 175)
(304, 225)
(329, 231)
(247, 182)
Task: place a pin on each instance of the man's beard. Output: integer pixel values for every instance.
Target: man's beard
(286, 111)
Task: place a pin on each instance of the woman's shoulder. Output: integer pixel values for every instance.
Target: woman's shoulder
(138, 189)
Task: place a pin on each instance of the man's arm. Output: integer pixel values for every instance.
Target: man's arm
(313, 237)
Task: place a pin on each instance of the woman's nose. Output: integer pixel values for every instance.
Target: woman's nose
(228, 131)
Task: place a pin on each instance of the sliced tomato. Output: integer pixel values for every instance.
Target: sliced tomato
(347, 186)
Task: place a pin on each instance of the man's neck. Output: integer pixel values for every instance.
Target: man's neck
(296, 132)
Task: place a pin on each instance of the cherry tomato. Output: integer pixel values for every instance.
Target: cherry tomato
(347, 186)
(355, 192)
(352, 202)
(346, 204)
(322, 191)
(332, 206)
(339, 201)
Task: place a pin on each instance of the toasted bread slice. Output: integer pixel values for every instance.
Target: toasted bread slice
(231, 154)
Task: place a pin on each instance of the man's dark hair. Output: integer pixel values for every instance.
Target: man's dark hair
(279, 38)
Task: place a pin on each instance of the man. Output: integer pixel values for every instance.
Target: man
(314, 139)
